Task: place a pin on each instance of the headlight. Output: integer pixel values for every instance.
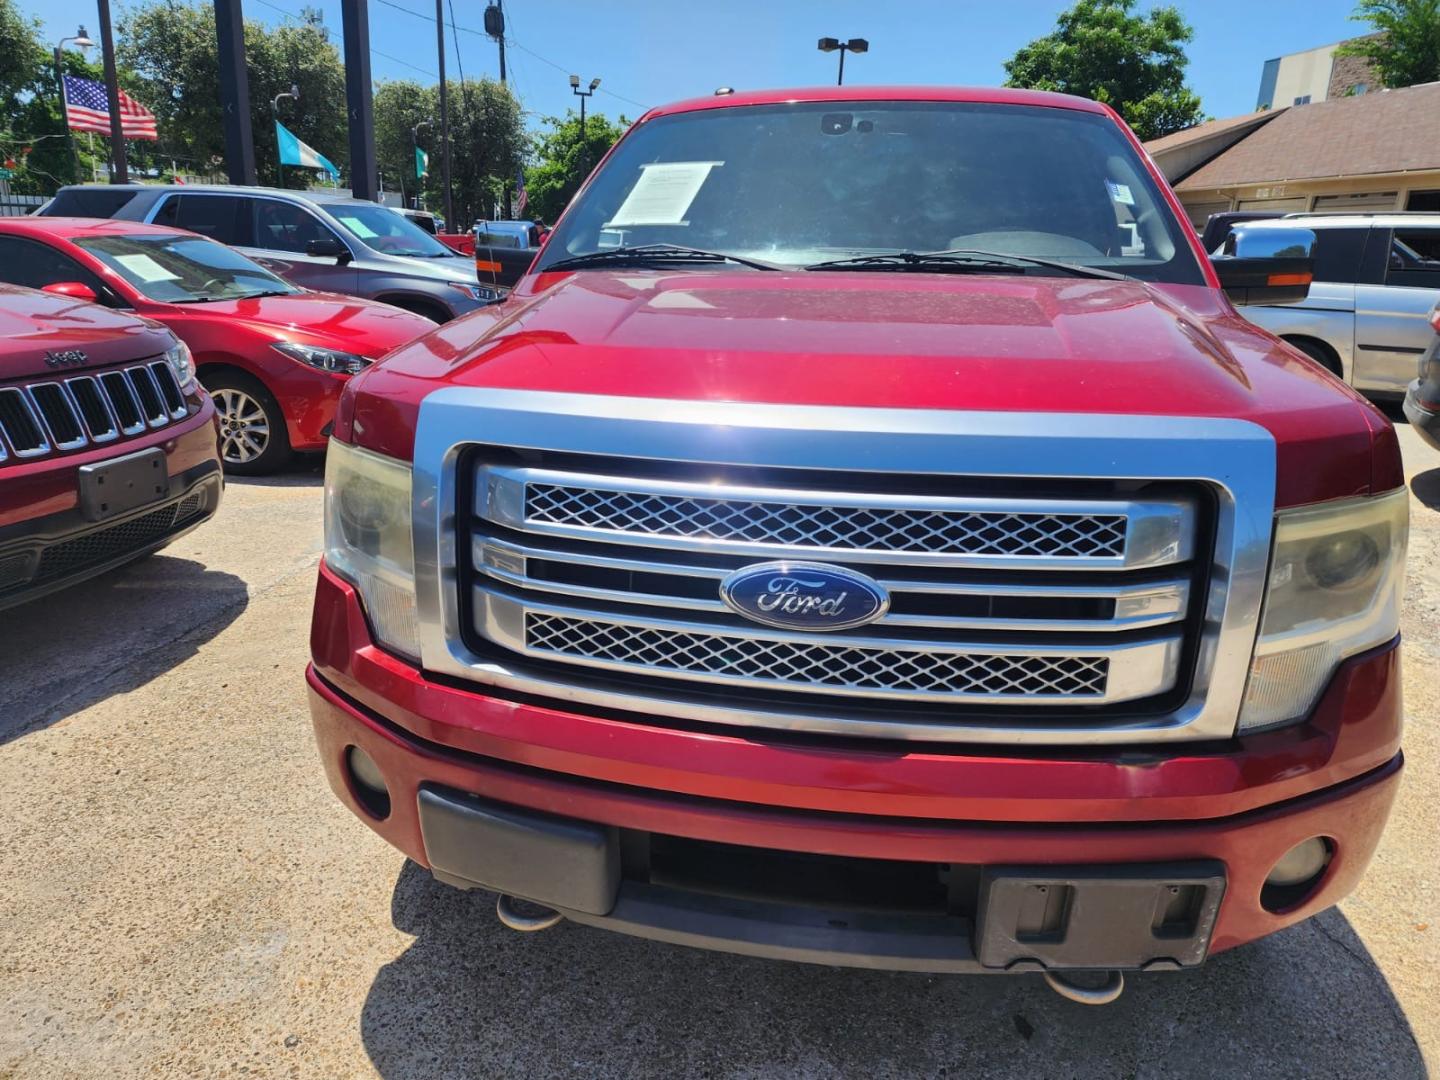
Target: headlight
(181, 363)
(477, 292)
(333, 360)
(1336, 577)
(367, 540)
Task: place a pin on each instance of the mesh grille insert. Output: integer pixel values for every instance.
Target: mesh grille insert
(122, 399)
(800, 666)
(831, 527)
(169, 388)
(88, 397)
(149, 397)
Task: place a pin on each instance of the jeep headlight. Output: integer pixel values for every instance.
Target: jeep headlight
(1336, 578)
(367, 540)
(182, 364)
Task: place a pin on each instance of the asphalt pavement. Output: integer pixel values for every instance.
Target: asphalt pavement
(182, 897)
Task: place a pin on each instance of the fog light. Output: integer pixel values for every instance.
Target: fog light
(1296, 874)
(368, 783)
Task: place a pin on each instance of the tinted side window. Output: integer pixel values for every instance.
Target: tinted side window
(1414, 258)
(90, 201)
(217, 216)
(283, 226)
(35, 265)
(169, 212)
(1338, 254)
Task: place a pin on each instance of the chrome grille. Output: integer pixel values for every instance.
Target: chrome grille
(903, 672)
(835, 527)
(82, 410)
(1005, 601)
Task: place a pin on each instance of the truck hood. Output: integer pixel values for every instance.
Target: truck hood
(972, 342)
(33, 323)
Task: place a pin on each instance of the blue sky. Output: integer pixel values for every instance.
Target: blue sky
(651, 51)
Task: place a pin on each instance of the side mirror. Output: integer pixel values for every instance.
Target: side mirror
(76, 290)
(1266, 265)
(328, 249)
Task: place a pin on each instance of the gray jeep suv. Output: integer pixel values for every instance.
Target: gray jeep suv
(314, 239)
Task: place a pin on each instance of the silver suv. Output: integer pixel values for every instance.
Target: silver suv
(1377, 276)
(314, 239)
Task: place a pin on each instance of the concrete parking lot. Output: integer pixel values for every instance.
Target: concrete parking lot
(183, 897)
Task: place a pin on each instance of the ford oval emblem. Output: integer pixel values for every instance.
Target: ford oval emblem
(804, 596)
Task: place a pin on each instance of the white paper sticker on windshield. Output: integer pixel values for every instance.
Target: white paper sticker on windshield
(663, 193)
(145, 268)
(1120, 193)
(358, 227)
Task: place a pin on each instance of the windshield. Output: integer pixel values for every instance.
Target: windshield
(804, 183)
(381, 229)
(183, 269)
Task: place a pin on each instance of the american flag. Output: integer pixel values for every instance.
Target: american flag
(86, 109)
(522, 197)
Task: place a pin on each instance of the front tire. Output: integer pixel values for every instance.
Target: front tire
(253, 439)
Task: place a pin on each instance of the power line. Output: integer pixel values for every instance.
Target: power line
(516, 45)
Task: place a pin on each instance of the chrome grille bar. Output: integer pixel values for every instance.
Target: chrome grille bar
(1136, 605)
(1043, 534)
(845, 665)
(81, 410)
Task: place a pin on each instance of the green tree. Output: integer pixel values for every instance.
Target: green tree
(1404, 49)
(399, 106)
(22, 58)
(171, 47)
(1102, 49)
(563, 160)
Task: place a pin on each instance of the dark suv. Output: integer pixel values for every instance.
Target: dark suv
(316, 240)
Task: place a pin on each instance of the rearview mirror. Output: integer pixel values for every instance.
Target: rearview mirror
(1266, 265)
(76, 290)
(328, 249)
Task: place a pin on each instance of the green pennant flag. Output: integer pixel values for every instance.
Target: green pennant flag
(422, 163)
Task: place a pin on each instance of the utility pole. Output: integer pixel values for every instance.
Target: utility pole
(495, 28)
(234, 92)
(119, 174)
(355, 21)
(444, 116)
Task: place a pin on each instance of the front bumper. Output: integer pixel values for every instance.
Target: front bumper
(1425, 419)
(654, 805)
(46, 541)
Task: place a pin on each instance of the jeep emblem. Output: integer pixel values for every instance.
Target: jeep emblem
(65, 358)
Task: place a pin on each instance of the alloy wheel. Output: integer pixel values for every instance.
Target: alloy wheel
(244, 431)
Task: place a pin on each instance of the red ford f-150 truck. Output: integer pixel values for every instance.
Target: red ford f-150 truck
(870, 536)
(107, 442)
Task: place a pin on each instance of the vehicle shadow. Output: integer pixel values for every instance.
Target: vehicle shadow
(64, 652)
(471, 998)
(1426, 487)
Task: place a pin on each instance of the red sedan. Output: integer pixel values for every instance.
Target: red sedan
(273, 356)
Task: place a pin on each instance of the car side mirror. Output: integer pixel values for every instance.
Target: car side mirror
(1266, 265)
(329, 249)
(76, 290)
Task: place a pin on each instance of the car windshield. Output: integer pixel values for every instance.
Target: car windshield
(799, 184)
(184, 269)
(381, 229)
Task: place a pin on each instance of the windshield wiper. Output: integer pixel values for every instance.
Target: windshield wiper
(964, 260)
(653, 254)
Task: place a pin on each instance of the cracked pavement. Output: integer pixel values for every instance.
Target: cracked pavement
(182, 896)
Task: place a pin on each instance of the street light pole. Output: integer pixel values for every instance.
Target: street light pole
(293, 95)
(854, 45)
(82, 40)
(444, 115)
(582, 95)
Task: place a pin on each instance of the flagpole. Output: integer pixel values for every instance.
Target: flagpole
(119, 174)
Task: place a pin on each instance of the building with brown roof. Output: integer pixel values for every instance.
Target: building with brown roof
(1377, 151)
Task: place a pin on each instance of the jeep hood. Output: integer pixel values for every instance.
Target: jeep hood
(33, 323)
(1042, 345)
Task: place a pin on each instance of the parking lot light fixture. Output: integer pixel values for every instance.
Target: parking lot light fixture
(854, 45)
